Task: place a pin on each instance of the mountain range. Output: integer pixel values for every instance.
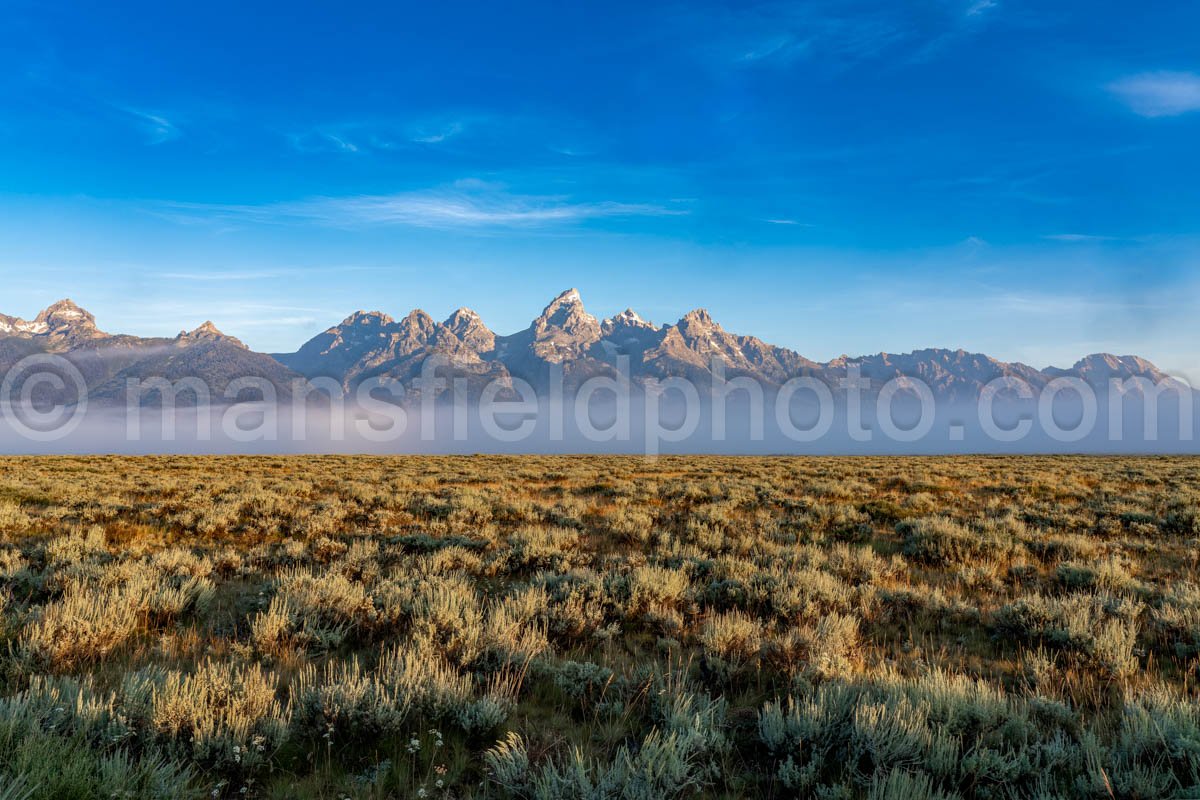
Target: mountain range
(373, 345)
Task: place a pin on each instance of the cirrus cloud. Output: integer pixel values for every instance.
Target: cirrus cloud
(462, 205)
(1159, 94)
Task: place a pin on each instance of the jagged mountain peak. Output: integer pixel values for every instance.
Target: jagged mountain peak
(368, 319)
(563, 332)
(207, 332)
(15, 326)
(568, 296)
(65, 307)
(417, 319)
(462, 316)
(65, 314)
(628, 319)
(1101, 366)
(1112, 361)
(207, 328)
(412, 333)
(369, 343)
(60, 322)
(565, 310)
(698, 316)
(469, 328)
(627, 334)
(566, 313)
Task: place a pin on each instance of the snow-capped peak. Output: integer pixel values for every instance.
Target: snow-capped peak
(631, 317)
(567, 311)
(66, 309)
(35, 327)
(63, 318)
(65, 314)
(625, 320)
(463, 318)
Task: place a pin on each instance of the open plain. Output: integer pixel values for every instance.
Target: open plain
(599, 627)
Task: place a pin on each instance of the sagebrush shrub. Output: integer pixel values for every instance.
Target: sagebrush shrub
(732, 641)
(824, 649)
(220, 716)
(13, 518)
(296, 627)
(1101, 629)
(941, 541)
(92, 621)
(311, 611)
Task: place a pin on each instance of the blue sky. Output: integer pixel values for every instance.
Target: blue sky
(1007, 176)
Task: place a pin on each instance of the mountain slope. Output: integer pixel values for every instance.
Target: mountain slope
(561, 337)
(372, 346)
(566, 337)
(107, 361)
(205, 353)
(689, 347)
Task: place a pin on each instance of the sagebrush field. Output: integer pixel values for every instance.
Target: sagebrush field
(592, 627)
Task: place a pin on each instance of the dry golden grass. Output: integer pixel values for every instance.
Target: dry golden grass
(595, 627)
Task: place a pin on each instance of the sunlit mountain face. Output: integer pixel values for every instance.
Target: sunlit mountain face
(564, 339)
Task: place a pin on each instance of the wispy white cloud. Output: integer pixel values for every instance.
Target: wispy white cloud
(836, 34)
(464, 204)
(782, 221)
(456, 132)
(785, 47)
(435, 133)
(570, 152)
(831, 39)
(341, 144)
(1159, 94)
(157, 128)
(1078, 237)
(380, 135)
(322, 142)
(980, 6)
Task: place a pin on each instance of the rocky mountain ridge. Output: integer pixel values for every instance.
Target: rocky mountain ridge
(107, 362)
(565, 336)
(564, 339)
